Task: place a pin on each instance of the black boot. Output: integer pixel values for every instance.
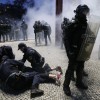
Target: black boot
(81, 86)
(36, 92)
(67, 90)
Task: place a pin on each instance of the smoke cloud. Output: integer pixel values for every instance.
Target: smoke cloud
(44, 10)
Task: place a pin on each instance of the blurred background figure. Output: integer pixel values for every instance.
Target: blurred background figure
(16, 31)
(24, 27)
(47, 32)
(37, 31)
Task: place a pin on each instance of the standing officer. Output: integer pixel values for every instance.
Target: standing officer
(37, 31)
(47, 32)
(24, 30)
(73, 41)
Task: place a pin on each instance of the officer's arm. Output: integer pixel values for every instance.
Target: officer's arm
(23, 59)
(18, 64)
(68, 34)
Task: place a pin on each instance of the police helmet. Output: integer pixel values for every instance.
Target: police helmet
(81, 9)
(20, 45)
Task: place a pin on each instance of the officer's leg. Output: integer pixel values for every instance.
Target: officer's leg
(79, 72)
(45, 36)
(84, 73)
(39, 35)
(39, 78)
(47, 68)
(26, 37)
(61, 42)
(3, 36)
(49, 37)
(68, 75)
(23, 34)
(17, 36)
(0, 37)
(36, 39)
(6, 36)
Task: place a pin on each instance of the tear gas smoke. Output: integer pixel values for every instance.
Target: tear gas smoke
(44, 10)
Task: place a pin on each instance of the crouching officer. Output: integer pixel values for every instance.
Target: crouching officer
(73, 40)
(32, 56)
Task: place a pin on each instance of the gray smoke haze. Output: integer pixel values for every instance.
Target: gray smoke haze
(44, 10)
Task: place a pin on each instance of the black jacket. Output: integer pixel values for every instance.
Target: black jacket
(32, 56)
(74, 34)
(8, 67)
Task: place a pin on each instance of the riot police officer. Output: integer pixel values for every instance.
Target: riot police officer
(24, 27)
(47, 32)
(37, 31)
(32, 56)
(73, 41)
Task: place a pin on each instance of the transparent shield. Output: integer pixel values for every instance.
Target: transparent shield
(89, 38)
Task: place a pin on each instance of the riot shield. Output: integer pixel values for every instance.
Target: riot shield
(89, 38)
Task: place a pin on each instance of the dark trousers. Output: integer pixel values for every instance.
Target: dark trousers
(28, 79)
(38, 77)
(46, 34)
(25, 35)
(74, 66)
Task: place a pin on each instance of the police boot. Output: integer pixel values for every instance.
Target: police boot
(36, 92)
(66, 84)
(67, 90)
(81, 86)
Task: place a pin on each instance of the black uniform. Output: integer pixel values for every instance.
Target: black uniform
(64, 25)
(24, 30)
(9, 73)
(73, 40)
(47, 32)
(2, 32)
(34, 58)
(37, 28)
